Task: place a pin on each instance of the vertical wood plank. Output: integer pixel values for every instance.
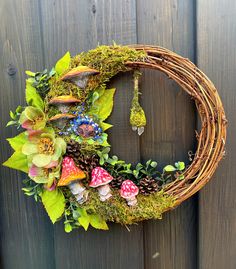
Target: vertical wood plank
(171, 242)
(216, 56)
(26, 236)
(79, 26)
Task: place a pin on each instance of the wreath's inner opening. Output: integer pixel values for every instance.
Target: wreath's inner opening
(169, 135)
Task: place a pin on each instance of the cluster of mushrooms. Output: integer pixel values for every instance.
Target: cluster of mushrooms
(72, 176)
(78, 76)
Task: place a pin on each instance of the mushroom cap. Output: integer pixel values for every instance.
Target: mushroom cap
(70, 172)
(80, 71)
(128, 189)
(62, 116)
(63, 99)
(100, 177)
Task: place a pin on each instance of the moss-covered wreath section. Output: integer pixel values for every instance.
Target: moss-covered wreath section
(108, 60)
(116, 210)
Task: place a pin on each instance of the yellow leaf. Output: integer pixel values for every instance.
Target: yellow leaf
(63, 64)
(17, 161)
(54, 203)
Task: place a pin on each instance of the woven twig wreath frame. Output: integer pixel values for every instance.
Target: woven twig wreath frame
(58, 156)
(212, 137)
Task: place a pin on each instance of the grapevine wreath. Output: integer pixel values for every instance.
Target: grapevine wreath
(64, 146)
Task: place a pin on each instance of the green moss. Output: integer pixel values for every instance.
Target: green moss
(137, 116)
(109, 60)
(59, 87)
(52, 111)
(116, 209)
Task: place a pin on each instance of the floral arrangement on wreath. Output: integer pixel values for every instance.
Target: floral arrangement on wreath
(64, 146)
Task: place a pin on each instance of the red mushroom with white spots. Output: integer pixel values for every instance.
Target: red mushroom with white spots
(129, 191)
(71, 176)
(101, 179)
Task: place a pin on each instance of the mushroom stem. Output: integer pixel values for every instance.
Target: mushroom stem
(61, 123)
(104, 192)
(81, 82)
(64, 108)
(79, 191)
(132, 201)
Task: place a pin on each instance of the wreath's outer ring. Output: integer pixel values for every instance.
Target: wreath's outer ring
(212, 137)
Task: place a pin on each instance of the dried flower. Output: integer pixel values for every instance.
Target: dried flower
(44, 150)
(45, 175)
(32, 118)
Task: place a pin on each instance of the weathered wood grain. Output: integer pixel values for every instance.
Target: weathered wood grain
(26, 235)
(33, 35)
(216, 56)
(171, 242)
(79, 26)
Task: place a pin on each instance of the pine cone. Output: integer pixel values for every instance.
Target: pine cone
(86, 163)
(147, 185)
(73, 149)
(116, 182)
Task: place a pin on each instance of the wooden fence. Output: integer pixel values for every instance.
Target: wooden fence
(201, 233)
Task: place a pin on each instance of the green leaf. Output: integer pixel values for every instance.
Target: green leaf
(68, 228)
(153, 164)
(105, 156)
(12, 115)
(114, 157)
(101, 161)
(105, 126)
(54, 203)
(90, 141)
(19, 109)
(105, 144)
(32, 97)
(29, 193)
(106, 150)
(104, 104)
(135, 172)
(17, 161)
(27, 189)
(63, 64)
(12, 122)
(18, 141)
(169, 168)
(95, 97)
(30, 73)
(84, 218)
(139, 166)
(103, 141)
(97, 222)
(52, 72)
(180, 166)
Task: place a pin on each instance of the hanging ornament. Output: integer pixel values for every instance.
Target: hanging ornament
(137, 114)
